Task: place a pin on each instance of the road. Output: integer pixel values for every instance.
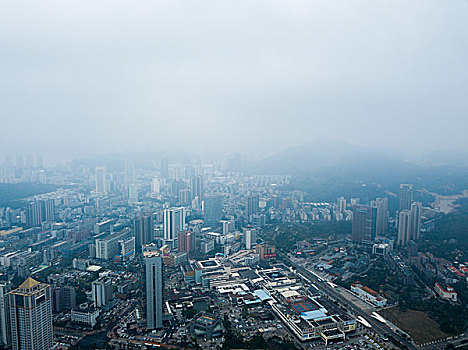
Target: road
(376, 325)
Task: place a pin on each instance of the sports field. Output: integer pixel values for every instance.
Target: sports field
(419, 325)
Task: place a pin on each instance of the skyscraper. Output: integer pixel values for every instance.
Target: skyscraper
(31, 316)
(196, 185)
(251, 206)
(404, 228)
(154, 289)
(184, 241)
(381, 224)
(415, 220)
(406, 196)
(100, 179)
(164, 168)
(102, 291)
(33, 214)
(212, 208)
(364, 223)
(5, 333)
(40, 211)
(144, 230)
(174, 222)
(250, 238)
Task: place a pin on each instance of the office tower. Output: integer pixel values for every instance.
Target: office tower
(63, 298)
(363, 226)
(156, 186)
(101, 181)
(251, 206)
(33, 214)
(212, 208)
(184, 241)
(406, 196)
(228, 227)
(144, 230)
(176, 186)
(415, 221)
(108, 247)
(5, 333)
(132, 193)
(196, 185)
(341, 204)
(185, 196)
(154, 289)
(381, 204)
(31, 316)
(127, 248)
(174, 222)
(129, 173)
(47, 210)
(404, 227)
(250, 238)
(164, 167)
(39, 212)
(102, 291)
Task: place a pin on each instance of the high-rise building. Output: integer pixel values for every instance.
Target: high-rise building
(164, 167)
(47, 210)
(144, 230)
(5, 333)
(33, 214)
(404, 227)
(63, 298)
(363, 226)
(132, 193)
(415, 220)
(406, 196)
(251, 206)
(196, 185)
(341, 205)
(100, 180)
(381, 224)
(185, 196)
(228, 227)
(156, 186)
(184, 241)
(40, 211)
(102, 291)
(212, 208)
(174, 222)
(108, 247)
(250, 238)
(154, 289)
(31, 316)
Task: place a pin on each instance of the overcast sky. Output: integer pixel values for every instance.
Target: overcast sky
(259, 76)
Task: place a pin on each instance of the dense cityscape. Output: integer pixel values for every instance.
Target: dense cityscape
(201, 255)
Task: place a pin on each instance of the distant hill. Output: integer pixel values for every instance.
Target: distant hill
(322, 167)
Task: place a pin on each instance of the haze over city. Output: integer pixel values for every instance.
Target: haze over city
(222, 175)
(82, 77)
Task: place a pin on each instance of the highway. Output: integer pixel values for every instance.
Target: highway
(330, 291)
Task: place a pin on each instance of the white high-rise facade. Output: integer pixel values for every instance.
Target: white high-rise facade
(174, 222)
(100, 180)
(154, 289)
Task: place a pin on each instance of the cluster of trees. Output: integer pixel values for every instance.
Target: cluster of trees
(11, 194)
(287, 235)
(234, 340)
